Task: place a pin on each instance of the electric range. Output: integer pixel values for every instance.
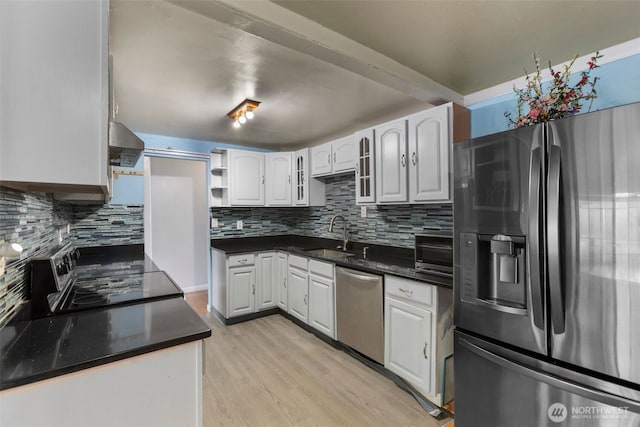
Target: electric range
(60, 285)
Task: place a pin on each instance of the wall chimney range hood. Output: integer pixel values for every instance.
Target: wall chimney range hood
(125, 147)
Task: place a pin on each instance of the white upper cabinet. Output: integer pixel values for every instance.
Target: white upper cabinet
(321, 163)
(55, 95)
(246, 178)
(413, 160)
(343, 154)
(333, 157)
(391, 162)
(278, 178)
(307, 191)
(365, 167)
(429, 156)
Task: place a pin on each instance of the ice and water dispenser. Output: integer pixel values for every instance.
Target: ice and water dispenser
(493, 271)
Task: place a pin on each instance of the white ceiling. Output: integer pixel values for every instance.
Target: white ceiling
(325, 68)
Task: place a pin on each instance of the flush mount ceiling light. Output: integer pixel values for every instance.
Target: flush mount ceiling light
(243, 112)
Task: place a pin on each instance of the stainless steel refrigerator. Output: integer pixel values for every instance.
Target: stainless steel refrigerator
(547, 274)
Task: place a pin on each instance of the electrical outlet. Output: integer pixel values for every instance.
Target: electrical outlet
(363, 211)
(214, 222)
(239, 224)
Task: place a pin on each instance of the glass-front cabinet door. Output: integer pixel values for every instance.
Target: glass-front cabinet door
(365, 161)
(300, 186)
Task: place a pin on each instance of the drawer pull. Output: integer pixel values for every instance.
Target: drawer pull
(243, 260)
(407, 292)
(424, 351)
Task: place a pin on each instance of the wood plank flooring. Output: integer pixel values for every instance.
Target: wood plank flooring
(270, 372)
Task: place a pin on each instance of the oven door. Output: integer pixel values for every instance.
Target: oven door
(434, 253)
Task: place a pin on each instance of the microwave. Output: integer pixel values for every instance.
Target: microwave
(434, 253)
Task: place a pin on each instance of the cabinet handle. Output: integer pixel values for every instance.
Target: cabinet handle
(289, 179)
(305, 299)
(334, 157)
(424, 351)
(263, 179)
(413, 158)
(329, 158)
(302, 177)
(243, 261)
(408, 292)
(402, 160)
(357, 168)
(285, 283)
(253, 289)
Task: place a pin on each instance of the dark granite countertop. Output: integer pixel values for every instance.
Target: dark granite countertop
(380, 259)
(45, 348)
(34, 350)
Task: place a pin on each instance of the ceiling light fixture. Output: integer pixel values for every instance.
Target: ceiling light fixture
(243, 111)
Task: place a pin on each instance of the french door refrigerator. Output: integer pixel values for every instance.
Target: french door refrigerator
(547, 274)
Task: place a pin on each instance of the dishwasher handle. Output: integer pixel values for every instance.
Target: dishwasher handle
(357, 275)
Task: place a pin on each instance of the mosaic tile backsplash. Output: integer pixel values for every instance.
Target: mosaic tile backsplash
(34, 220)
(108, 225)
(384, 225)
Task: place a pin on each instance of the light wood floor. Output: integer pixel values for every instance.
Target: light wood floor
(269, 371)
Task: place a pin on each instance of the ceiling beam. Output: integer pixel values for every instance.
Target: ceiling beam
(274, 23)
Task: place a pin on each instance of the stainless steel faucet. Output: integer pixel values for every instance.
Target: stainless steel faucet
(345, 233)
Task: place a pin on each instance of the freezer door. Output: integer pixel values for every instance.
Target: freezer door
(498, 279)
(499, 387)
(593, 237)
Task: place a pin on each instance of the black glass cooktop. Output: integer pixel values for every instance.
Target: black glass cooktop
(114, 290)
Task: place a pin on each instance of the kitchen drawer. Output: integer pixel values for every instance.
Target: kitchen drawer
(298, 262)
(410, 290)
(242, 259)
(321, 268)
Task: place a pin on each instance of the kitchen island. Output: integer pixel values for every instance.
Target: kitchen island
(135, 364)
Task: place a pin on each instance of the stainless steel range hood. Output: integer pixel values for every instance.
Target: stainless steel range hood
(125, 147)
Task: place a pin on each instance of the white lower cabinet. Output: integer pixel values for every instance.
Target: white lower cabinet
(281, 284)
(418, 335)
(245, 283)
(322, 297)
(408, 342)
(242, 285)
(266, 280)
(298, 296)
(311, 293)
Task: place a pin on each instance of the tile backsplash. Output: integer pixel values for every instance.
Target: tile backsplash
(108, 225)
(34, 220)
(385, 225)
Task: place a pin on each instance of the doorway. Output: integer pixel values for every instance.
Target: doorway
(176, 219)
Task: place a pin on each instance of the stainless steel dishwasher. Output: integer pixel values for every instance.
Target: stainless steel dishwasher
(359, 312)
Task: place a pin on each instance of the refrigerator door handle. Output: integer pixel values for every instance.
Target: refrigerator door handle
(534, 239)
(552, 380)
(553, 241)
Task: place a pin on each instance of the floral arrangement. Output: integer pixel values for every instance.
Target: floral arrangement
(560, 100)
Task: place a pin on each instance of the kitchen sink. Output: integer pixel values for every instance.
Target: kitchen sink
(329, 253)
